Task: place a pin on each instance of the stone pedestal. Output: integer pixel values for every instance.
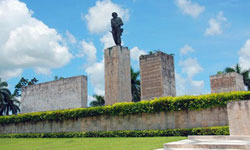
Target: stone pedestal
(239, 117)
(157, 75)
(117, 75)
(226, 83)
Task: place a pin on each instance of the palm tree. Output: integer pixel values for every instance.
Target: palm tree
(244, 73)
(8, 103)
(99, 101)
(3, 91)
(135, 86)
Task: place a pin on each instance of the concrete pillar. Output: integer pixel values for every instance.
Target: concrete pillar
(117, 75)
(157, 75)
(226, 82)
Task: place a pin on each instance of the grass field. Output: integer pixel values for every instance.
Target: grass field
(145, 143)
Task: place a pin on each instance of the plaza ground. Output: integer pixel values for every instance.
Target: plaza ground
(145, 143)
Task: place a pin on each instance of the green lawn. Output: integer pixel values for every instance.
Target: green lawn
(145, 143)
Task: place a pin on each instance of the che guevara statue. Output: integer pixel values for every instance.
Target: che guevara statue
(116, 23)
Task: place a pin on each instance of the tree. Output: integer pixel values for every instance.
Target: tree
(99, 101)
(3, 91)
(32, 81)
(22, 83)
(58, 78)
(237, 69)
(8, 103)
(135, 86)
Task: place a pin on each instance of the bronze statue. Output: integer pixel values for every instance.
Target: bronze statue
(116, 23)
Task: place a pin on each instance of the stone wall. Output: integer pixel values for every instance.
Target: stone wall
(117, 75)
(226, 83)
(157, 75)
(238, 117)
(60, 94)
(161, 120)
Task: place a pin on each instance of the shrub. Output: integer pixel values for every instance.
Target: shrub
(223, 130)
(127, 108)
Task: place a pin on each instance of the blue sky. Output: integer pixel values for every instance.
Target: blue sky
(44, 38)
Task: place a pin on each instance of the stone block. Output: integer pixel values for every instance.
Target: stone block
(117, 75)
(157, 75)
(226, 82)
(60, 94)
(238, 117)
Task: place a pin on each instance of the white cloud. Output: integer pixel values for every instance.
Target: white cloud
(188, 86)
(244, 55)
(197, 83)
(107, 40)
(44, 71)
(93, 68)
(220, 16)
(88, 50)
(6, 74)
(70, 37)
(190, 8)
(190, 66)
(90, 99)
(214, 27)
(135, 53)
(26, 42)
(98, 16)
(95, 72)
(186, 49)
(215, 24)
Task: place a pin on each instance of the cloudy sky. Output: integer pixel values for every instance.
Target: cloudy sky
(44, 38)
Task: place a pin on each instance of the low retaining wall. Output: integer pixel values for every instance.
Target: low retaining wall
(162, 120)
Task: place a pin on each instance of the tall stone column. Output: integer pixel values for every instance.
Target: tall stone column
(157, 75)
(117, 75)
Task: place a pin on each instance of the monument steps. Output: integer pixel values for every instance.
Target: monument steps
(220, 137)
(210, 143)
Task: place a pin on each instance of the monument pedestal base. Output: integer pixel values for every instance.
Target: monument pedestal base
(117, 75)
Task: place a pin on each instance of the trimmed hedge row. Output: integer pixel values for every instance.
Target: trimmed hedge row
(127, 108)
(224, 130)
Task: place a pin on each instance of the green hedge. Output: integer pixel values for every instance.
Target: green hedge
(127, 133)
(127, 108)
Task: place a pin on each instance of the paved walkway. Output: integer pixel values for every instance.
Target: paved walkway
(210, 143)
